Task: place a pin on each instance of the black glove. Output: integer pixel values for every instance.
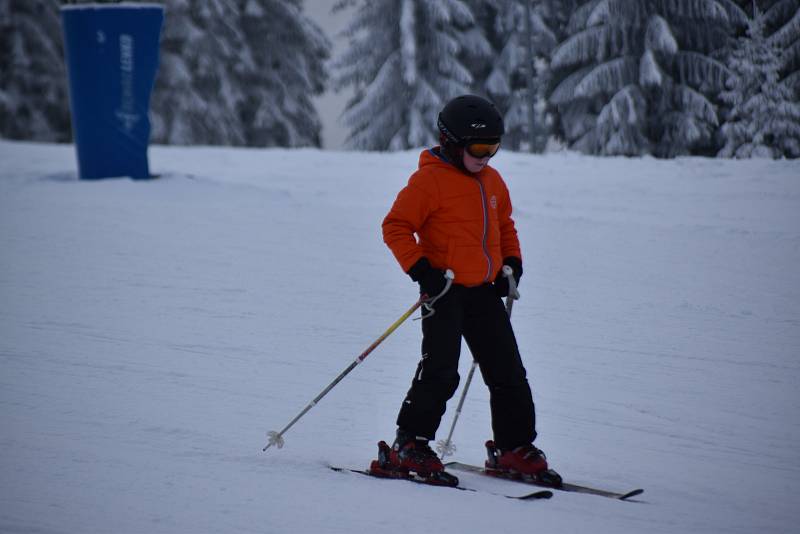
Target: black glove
(431, 281)
(501, 282)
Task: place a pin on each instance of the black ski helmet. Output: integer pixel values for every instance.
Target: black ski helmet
(470, 118)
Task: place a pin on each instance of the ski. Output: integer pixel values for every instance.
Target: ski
(410, 477)
(565, 486)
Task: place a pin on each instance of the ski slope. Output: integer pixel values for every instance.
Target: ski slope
(152, 332)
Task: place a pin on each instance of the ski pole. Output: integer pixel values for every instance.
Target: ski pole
(447, 446)
(513, 292)
(276, 438)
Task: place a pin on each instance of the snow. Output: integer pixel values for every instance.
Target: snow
(152, 332)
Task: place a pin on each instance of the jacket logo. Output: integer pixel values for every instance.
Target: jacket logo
(493, 202)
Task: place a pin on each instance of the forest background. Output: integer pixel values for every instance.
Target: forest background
(605, 77)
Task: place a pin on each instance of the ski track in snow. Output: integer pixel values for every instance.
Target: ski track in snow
(152, 332)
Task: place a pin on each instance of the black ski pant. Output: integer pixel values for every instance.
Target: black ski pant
(478, 315)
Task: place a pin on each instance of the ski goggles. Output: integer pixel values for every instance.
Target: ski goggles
(482, 150)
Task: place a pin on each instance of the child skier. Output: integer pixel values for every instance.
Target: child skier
(455, 213)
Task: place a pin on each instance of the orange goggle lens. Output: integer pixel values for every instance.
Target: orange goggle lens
(482, 150)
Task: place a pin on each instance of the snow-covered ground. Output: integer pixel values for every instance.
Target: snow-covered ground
(151, 332)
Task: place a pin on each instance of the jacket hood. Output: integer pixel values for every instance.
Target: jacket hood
(433, 157)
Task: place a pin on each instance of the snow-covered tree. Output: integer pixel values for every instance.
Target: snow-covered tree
(764, 116)
(403, 63)
(782, 26)
(288, 52)
(232, 72)
(34, 102)
(640, 77)
(239, 72)
(196, 99)
(502, 73)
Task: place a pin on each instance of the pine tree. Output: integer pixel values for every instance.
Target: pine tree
(232, 72)
(639, 76)
(196, 99)
(502, 73)
(497, 66)
(403, 62)
(289, 53)
(34, 101)
(764, 119)
(555, 15)
(239, 73)
(782, 26)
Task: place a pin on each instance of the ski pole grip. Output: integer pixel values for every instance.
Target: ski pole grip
(428, 301)
(508, 272)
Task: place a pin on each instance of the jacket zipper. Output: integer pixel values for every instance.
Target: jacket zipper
(485, 231)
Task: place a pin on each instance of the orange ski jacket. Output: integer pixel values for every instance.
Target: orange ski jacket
(461, 221)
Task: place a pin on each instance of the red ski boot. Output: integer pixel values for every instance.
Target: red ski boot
(525, 462)
(411, 459)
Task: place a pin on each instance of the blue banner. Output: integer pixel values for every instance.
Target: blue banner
(112, 57)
